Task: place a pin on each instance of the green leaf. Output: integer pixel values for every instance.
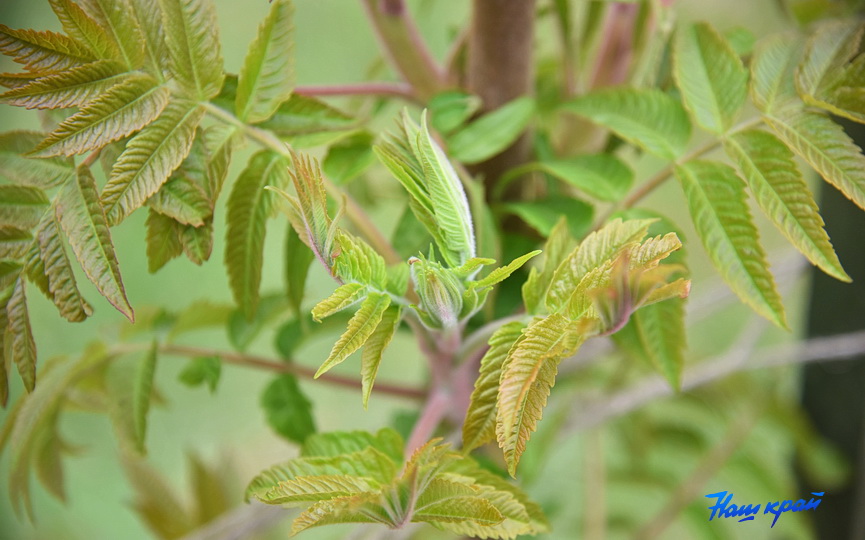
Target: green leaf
(323, 487)
(713, 81)
(17, 80)
(647, 118)
(360, 328)
(203, 370)
(559, 243)
(308, 211)
(772, 70)
(450, 109)
(192, 38)
(500, 274)
(149, 158)
(115, 17)
(716, 200)
(602, 176)
(19, 343)
(355, 260)
(249, 206)
(220, 140)
(184, 196)
(54, 265)
(243, 330)
(21, 205)
(349, 158)
(337, 443)
(306, 121)
(660, 333)
(73, 88)
(83, 220)
(14, 242)
(527, 376)
(297, 260)
(155, 502)
(197, 241)
(163, 240)
(596, 249)
(141, 390)
(542, 215)
(42, 51)
(831, 46)
(42, 173)
(352, 509)
(199, 315)
(780, 190)
(824, 145)
(83, 29)
(480, 423)
(121, 110)
(267, 76)
(36, 416)
(459, 509)
(150, 17)
(343, 297)
(493, 132)
(288, 410)
(374, 348)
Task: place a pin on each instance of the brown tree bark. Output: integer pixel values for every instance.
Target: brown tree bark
(500, 69)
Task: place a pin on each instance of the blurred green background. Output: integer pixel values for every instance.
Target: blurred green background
(333, 45)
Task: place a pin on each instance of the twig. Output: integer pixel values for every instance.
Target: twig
(404, 46)
(352, 209)
(390, 89)
(820, 349)
(433, 413)
(267, 364)
(667, 172)
(594, 496)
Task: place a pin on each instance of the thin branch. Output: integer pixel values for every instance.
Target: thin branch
(353, 210)
(267, 364)
(389, 89)
(666, 173)
(433, 413)
(822, 349)
(241, 522)
(404, 46)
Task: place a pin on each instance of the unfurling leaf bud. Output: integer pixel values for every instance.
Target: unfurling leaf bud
(440, 291)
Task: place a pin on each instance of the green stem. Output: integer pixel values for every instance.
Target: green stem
(355, 213)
